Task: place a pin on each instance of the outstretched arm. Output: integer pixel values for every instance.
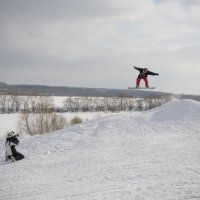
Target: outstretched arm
(152, 73)
(137, 68)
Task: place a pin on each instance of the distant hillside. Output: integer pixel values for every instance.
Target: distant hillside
(80, 91)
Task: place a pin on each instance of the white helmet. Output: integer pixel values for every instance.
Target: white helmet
(12, 134)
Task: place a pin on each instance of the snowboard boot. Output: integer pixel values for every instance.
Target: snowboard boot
(13, 158)
(7, 158)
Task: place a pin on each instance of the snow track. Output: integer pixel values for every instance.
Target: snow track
(150, 155)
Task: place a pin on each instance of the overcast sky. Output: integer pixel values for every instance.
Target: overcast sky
(95, 43)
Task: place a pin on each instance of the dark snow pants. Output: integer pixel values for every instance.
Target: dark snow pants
(18, 156)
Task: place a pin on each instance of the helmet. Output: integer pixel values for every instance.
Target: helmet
(145, 70)
(12, 134)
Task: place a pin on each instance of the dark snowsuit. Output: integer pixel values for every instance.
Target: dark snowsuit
(143, 75)
(11, 151)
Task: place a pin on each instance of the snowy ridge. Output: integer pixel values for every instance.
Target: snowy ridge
(177, 110)
(151, 155)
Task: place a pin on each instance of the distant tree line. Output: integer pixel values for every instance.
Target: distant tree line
(36, 104)
(110, 104)
(15, 103)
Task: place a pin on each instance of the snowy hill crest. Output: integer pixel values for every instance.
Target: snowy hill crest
(177, 110)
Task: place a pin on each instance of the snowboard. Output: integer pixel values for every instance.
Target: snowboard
(139, 88)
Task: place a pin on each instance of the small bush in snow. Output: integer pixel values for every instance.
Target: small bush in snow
(75, 120)
(41, 122)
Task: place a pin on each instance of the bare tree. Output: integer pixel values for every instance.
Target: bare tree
(3, 99)
(43, 120)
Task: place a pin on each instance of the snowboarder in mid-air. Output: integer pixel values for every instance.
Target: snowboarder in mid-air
(11, 152)
(144, 72)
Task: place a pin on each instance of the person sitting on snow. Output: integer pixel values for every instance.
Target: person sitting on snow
(11, 152)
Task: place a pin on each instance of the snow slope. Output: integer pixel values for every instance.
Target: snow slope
(152, 155)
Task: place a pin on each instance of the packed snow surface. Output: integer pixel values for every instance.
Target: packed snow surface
(153, 155)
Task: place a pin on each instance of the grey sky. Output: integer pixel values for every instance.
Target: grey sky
(95, 43)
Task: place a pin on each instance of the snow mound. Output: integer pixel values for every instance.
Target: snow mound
(133, 155)
(177, 110)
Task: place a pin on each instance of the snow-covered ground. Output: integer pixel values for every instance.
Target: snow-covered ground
(153, 155)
